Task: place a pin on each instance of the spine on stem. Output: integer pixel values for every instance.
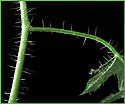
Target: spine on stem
(21, 54)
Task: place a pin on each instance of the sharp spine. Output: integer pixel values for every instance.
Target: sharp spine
(30, 9)
(17, 42)
(102, 48)
(12, 55)
(42, 22)
(95, 30)
(88, 29)
(22, 93)
(71, 27)
(32, 20)
(100, 63)
(116, 45)
(13, 59)
(105, 58)
(121, 51)
(29, 55)
(63, 24)
(109, 56)
(29, 49)
(7, 93)
(11, 66)
(84, 41)
(26, 72)
(14, 38)
(23, 79)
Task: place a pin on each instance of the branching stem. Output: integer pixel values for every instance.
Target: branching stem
(26, 28)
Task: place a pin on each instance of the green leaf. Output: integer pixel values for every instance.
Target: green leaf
(113, 66)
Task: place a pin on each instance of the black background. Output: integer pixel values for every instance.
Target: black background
(61, 64)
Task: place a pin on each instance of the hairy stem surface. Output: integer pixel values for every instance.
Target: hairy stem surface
(21, 54)
(69, 32)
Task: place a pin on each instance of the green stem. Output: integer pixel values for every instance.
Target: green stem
(23, 44)
(69, 32)
(21, 54)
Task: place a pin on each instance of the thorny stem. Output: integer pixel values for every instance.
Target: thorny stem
(69, 32)
(26, 28)
(21, 54)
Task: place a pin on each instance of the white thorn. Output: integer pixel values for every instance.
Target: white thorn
(16, 46)
(97, 42)
(91, 71)
(12, 77)
(29, 55)
(14, 38)
(63, 24)
(16, 14)
(31, 41)
(30, 9)
(17, 42)
(18, 10)
(102, 48)
(7, 93)
(89, 93)
(25, 88)
(16, 2)
(15, 8)
(18, 22)
(15, 49)
(32, 20)
(84, 41)
(50, 25)
(17, 99)
(17, 26)
(105, 58)
(29, 49)
(12, 55)
(109, 56)
(112, 55)
(11, 66)
(71, 27)
(116, 45)
(88, 29)
(31, 14)
(22, 93)
(23, 79)
(110, 41)
(13, 59)
(95, 30)
(121, 51)
(5, 100)
(26, 72)
(109, 52)
(42, 22)
(19, 34)
(100, 63)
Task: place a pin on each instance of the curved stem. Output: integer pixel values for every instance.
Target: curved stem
(23, 44)
(21, 54)
(106, 44)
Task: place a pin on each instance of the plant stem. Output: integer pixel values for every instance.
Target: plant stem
(21, 54)
(70, 32)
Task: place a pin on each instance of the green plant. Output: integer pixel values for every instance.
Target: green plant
(113, 66)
